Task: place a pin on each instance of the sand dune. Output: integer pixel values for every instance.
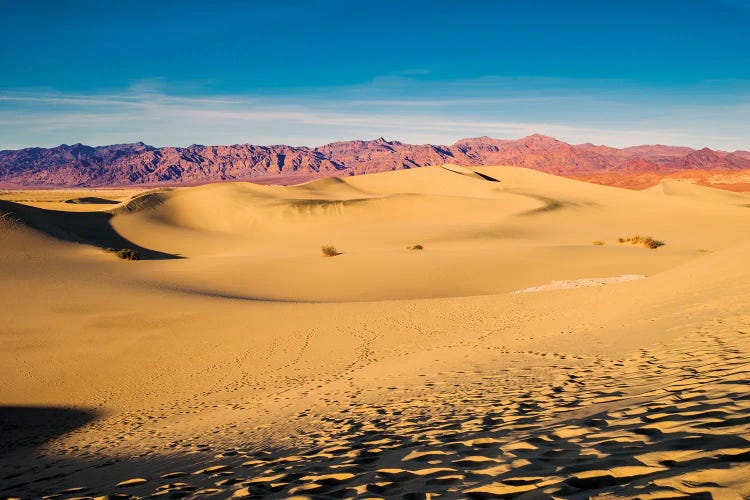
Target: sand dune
(705, 194)
(479, 236)
(236, 360)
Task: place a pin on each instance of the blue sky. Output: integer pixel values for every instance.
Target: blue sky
(308, 73)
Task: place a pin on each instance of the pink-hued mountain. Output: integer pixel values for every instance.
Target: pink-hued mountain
(138, 164)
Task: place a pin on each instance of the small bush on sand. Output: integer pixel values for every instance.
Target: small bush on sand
(652, 243)
(329, 251)
(598, 242)
(416, 247)
(128, 254)
(646, 241)
(7, 221)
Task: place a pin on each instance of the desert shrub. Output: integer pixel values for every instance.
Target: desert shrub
(652, 243)
(7, 221)
(128, 254)
(646, 241)
(598, 242)
(329, 251)
(416, 247)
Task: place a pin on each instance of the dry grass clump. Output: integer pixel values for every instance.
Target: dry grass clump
(7, 221)
(128, 254)
(598, 242)
(646, 241)
(416, 247)
(329, 251)
(125, 253)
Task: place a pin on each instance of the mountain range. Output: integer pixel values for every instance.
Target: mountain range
(79, 165)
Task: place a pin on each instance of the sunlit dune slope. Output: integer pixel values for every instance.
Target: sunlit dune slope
(511, 229)
(234, 337)
(488, 230)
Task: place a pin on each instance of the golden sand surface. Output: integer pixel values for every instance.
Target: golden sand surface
(235, 360)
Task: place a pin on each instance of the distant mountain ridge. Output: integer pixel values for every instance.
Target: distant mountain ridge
(139, 164)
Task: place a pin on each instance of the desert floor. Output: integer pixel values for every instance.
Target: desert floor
(234, 359)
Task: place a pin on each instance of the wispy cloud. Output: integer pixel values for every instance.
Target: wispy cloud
(404, 109)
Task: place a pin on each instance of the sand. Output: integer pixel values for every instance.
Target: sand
(581, 282)
(234, 359)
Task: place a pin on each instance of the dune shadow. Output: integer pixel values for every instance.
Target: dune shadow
(550, 204)
(24, 432)
(214, 294)
(27, 427)
(486, 177)
(91, 200)
(471, 171)
(91, 228)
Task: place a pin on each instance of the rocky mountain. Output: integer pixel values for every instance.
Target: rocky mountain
(139, 164)
(363, 157)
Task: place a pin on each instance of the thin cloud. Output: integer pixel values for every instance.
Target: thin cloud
(147, 113)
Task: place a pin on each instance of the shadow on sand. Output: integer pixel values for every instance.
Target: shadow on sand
(91, 228)
(25, 427)
(91, 200)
